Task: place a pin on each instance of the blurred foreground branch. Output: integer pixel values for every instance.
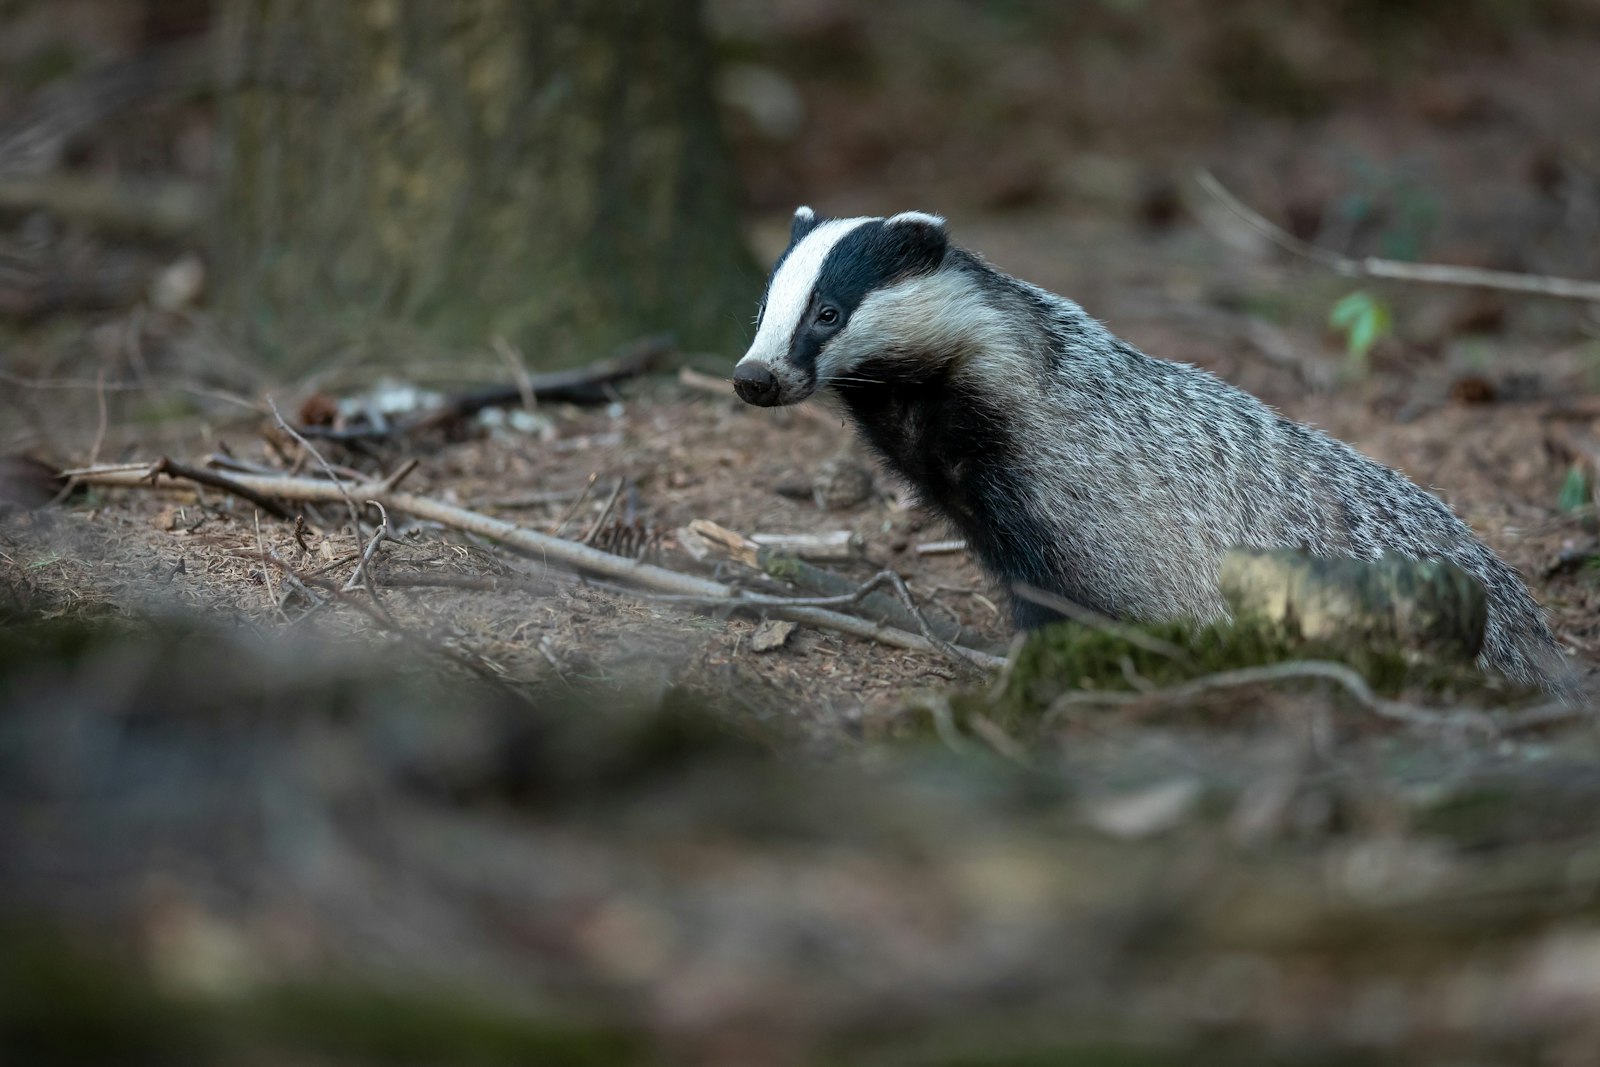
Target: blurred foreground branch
(1376, 267)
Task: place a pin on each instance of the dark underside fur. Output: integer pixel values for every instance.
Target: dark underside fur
(949, 442)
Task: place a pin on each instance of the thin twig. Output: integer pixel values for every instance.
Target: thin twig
(1093, 619)
(588, 487)
(291, 578)
(401, 474)
(355, 513)
(359, 578)
(611, 502)
(1376, 267)
(998, 739)
(741, 599)
(1338, 673)
(266, 576)
(937, 705)
(519, 371)
(1002, 680)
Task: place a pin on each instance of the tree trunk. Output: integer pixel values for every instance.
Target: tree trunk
(445, 173)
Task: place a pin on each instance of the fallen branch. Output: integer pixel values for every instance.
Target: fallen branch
(588, 384)
(834, 546)
(143, 472)
(820, 581)
(1376, 267)
(555, 550)
(851, 599)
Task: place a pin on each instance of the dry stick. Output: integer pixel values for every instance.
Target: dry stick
(519, 371)
(149, 471)
(611, 502)
(588, 487)
(355, 513)
(261, 547)
(889, 578)
(567, 553)
(820, 581)
(1087, 617)
(1376, 267)
(359, 578)
(998, 739)
(290, 577)
(69, 484)
(401, 474)
(1338, 673)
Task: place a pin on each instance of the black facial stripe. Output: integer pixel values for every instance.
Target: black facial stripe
(872, 256)
(869, 257)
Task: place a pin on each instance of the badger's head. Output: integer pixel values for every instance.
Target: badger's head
(840, 295)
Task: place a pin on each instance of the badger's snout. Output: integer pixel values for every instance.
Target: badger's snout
(756, 385)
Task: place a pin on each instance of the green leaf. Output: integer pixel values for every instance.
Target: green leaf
(1364, 320)
(1575, 492)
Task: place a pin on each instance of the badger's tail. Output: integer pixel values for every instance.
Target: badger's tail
(1517, 643)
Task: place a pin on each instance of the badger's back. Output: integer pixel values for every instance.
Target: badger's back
(1164, 464)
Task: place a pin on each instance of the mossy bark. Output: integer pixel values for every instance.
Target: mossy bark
(1422, 607)
(548, 172)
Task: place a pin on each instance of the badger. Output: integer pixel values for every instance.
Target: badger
(1071, 461)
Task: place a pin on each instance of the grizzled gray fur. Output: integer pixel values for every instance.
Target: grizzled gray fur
(1070, 460)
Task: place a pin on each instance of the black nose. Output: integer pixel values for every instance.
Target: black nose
(755, 385)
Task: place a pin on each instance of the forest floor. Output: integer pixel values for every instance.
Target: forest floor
(342, 833)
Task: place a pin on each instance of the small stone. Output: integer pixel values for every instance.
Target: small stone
(771, 635)
(841, 482)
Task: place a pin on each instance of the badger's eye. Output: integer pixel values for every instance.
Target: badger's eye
(827, 316)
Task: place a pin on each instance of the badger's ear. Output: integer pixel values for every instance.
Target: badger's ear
(805, 220)
(920, 239)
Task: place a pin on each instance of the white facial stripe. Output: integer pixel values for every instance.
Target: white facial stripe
(791, 291)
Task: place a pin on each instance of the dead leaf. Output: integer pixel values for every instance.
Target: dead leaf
(771, 635)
